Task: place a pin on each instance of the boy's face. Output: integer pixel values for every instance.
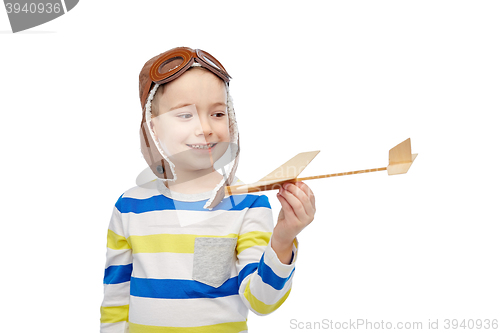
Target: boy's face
(193, 110)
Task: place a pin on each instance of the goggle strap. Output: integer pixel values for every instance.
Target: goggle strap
(145, 92)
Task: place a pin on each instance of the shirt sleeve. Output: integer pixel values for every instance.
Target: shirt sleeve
(117, 273)
(264, 281)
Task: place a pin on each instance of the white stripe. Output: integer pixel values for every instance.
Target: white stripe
(167, 221)
(115, 224)
(119, 327)
(163, 265)
(118, 257)
(254, 220)
(167, 266)
(179, 312)
(189, 218)
(116, 294)
(248, 256)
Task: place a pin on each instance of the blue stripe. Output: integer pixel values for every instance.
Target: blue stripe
(180, 289)
(117, 274)
(247, 270)
(259, 201)
(269, 277)
(161, 202)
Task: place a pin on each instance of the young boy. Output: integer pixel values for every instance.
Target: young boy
(182, 256)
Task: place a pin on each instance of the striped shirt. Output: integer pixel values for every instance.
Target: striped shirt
(173, 266)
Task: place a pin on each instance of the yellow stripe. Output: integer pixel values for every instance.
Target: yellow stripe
(114, 314)
(117, 242)
(167, 243)
(217, 328)
(253, 238)
(260, 306)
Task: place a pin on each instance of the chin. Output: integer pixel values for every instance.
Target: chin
(201, 163)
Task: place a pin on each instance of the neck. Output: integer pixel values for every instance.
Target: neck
(189, 183)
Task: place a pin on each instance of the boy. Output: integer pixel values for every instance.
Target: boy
(182, 256)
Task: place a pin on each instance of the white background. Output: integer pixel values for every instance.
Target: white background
(349, 78)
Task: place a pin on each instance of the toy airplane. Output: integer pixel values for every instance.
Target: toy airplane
(400, 160)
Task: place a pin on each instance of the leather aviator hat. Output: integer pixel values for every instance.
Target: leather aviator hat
(165, 68)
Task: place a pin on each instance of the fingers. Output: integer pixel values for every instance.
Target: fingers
(285, 207)
(308, 192)
(301, 199)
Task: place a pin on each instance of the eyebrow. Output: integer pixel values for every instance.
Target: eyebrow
(219, 104)
(181, 105)
(178, 106)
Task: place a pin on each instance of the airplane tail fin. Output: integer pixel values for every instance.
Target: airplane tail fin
(400, 158)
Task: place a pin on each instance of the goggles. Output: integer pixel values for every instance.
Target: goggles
(175, 62)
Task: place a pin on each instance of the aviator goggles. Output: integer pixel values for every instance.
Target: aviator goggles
(174, 63)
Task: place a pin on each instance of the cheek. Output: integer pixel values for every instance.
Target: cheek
(223, 131)
(167, 133)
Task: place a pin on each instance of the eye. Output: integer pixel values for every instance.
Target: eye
(184, 116)
(219, 114)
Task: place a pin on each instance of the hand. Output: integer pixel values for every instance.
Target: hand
(297, 212)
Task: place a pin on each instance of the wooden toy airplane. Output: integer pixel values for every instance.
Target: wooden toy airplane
(400, 160)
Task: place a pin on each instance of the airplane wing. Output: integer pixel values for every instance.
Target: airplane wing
(286, 172)
(293, 167)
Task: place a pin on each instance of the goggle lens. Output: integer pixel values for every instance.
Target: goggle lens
(170, 65)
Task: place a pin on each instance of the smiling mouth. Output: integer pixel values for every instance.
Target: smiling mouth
(201, 147)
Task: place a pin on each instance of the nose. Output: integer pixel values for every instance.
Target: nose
(204, 128)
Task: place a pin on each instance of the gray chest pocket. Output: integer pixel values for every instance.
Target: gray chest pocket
(212, 260)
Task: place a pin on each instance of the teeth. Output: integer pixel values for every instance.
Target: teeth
(203, 146)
